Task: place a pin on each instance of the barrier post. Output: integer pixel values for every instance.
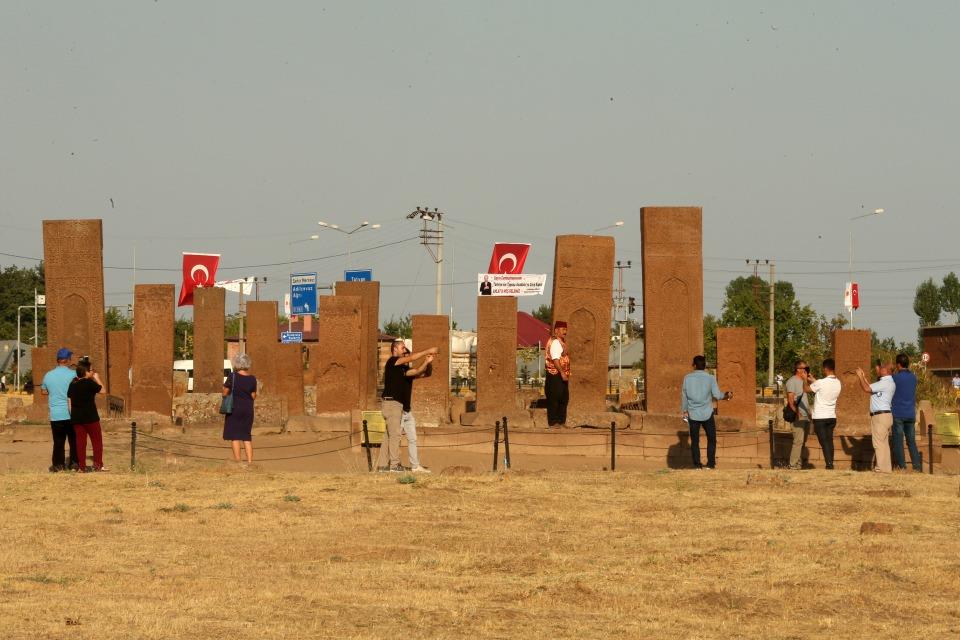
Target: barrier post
(930, 447)
(133, 445)
(366, 445)
(496, 444)
(772, 447)
(613, 445)
(506, 444)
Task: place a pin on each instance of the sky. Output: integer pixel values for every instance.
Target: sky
(235, 127)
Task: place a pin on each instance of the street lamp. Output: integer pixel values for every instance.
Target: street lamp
(875, 212)
(360, 227)
(618, 223)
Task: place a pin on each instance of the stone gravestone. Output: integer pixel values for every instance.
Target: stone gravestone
(369, 294)
(289, 371)
(672, 301)
(431, 395)
(152, 357)
(119, 351)
(42, 359)
(496, 356)
(336, 359)
(73, 280)
(851, 349)
(582, 294)
(737, 372)
(262, 340)
(208, 338)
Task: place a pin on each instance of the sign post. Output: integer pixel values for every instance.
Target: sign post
(358, 275)
(303, 294)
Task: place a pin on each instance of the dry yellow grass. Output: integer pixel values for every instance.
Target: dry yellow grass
(673, 554)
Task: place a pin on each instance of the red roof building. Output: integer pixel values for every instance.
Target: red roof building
(530, 331)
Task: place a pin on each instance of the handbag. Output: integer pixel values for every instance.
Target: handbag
(789, 415)
(226, 404)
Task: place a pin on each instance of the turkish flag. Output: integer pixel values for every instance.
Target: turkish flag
(855, 295)
(199, 270)
(508, 257)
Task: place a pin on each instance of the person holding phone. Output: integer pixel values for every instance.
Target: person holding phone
(84, 416)
(826, 390)
(800, 403)
(697, 394)
(398, 377)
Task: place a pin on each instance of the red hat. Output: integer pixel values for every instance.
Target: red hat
(559, 324)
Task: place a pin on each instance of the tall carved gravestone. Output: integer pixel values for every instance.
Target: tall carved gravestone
(119, 352)
(73, 280)
(672, 300)
(431, 395)
(152, 357)
(338, 367)
(369, 294)
(42, 359)
(289, 372)
(851, 349)
(208, 333)
(496, 355)
(262, 340)
(737, 372)
(582, 294)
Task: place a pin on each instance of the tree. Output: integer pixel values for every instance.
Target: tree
(17, 285)
(927, 305)
(950, 295)
(113, 320)
(710, 322)
(543, 313)
(402, 328)
(183, 339)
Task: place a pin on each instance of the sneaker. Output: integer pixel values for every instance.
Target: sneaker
(55, 468)
(796, 467)
(399, 468)
(101, 469)
(421, 469)
(383, 469)
(74, 466)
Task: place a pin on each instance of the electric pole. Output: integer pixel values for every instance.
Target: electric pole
(431, 237)
(770, 313)
(620, 317)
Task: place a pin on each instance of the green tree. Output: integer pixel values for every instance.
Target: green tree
(927, 305)
(183, 339)
(950, 295)
(402, 328)
(17, 285)
(543, 313)
(114, 320)
(710, 323)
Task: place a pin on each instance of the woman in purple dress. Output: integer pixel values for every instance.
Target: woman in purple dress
(238, 424)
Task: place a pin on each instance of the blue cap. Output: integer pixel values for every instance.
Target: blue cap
(64, 354)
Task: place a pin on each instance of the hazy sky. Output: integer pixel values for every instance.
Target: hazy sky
(233, 127)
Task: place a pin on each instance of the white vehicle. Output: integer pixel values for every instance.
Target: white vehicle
(187, 365)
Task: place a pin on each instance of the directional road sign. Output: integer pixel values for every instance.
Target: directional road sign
(358, 275)
(289, 337)
(303, 294)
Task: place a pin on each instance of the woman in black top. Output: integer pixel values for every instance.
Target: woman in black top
(83, 413)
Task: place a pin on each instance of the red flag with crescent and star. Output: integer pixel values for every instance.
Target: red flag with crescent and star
(508, 257)
(199, 270)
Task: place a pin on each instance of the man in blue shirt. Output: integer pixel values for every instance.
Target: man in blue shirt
(905, 415)
(697, 394)
(56, 382)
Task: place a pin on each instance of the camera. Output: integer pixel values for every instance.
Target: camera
(85, 361)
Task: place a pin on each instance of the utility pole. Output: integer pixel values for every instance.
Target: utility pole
(770, 313)
(431, 237)
(620, 318)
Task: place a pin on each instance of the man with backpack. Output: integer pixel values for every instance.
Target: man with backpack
(799, 406)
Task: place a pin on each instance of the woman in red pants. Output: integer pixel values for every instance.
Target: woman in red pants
(83, 413)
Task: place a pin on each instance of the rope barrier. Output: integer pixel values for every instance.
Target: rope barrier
(190, 455)
(217, 446)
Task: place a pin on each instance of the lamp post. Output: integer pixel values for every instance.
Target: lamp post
(432, 238)
(360, 227)
(875, 212)
(618, 223)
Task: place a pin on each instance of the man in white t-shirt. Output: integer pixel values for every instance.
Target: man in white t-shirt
(826, 391)
(881, 418)
(556, 388)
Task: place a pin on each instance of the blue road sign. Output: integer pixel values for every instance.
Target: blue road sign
(289, 337)
(358, 275)
(303, 294)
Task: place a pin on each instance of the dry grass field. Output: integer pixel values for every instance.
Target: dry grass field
(223, 553)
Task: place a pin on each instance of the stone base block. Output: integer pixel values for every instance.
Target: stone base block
(515, 419)
(949, 460)
(320, 423)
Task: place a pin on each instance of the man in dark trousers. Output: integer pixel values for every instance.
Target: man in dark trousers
(556, 388)
(697, 394)
(398, 377)
(905, 416)
(56, 382)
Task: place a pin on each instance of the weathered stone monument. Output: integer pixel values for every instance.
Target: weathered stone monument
(289, 372)
(209, 306)
(119, 352)
(262, 339)
(497, 358)
(73, 279)
(672, 301)
(42, 359)
(337, 361)
(431, 395)
(152, 357)
(737, 372)
(582, 294)
(851, 349)
(369, 294)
